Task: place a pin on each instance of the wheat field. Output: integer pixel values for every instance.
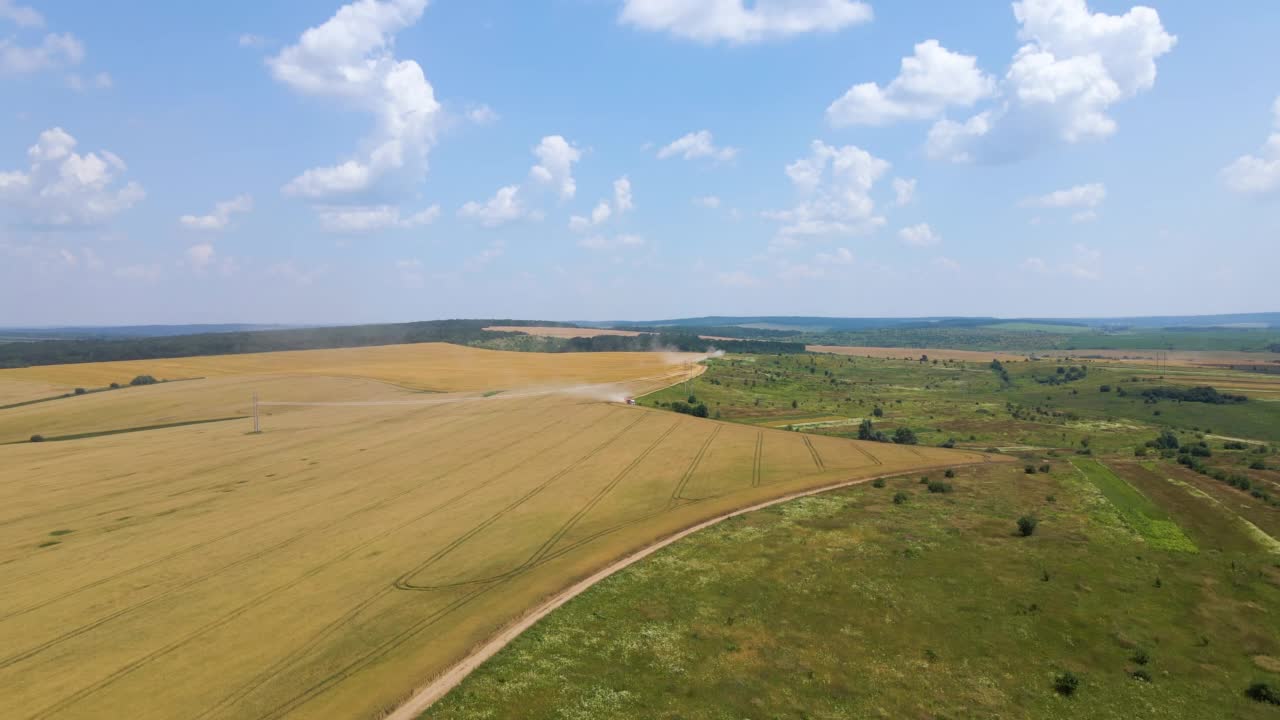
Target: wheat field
(328, 566)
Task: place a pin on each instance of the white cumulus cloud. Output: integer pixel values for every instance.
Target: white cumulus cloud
(1257, 174)
(220, 218)
(556, 158)
(904, 191)
(370, 218)
(1079, 196)
(54, 51)
(835, 185)
(64, 188)
(350, 58)
(930, 81)
(1073, 66)
(505, 206)
(920, 235)
(695, 145)
(737, 21)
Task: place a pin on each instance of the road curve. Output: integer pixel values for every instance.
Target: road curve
(452, 677)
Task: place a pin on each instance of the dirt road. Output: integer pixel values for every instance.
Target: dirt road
(451, 678)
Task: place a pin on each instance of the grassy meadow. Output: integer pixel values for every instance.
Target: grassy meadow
(852, 605)
(328, 566)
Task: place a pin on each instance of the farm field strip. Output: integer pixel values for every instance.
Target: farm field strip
(375, 543)
(436, 367)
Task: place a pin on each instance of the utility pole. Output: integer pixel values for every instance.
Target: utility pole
(256, 427)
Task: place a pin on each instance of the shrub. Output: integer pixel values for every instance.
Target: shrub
(1141, 657)
(904, 436)
(1030, 469)
(900, 498)
(115, 386)
(81, 391)
(1140, 451)
(950, 473)
(1257, 465)
(1027, 525)
(1044, 468)
(939, 487)
(878, 482)
(1067, 683)
(878, 411)
(950, 443)
(1141, 675)
(1105, 388)
(37, 438)
(143, 380)
(1263, 693)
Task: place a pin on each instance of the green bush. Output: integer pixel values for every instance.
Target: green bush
(878, 482)
(1141, 657)
(37, 438)
(1030, 469)
(1067, 683)
(949, 473)
(81, 391)
(1263, 693)
(1141, 675)
(1044, 468)
(143, 380)
(938, 486)
(900, 498)
(1027, 525)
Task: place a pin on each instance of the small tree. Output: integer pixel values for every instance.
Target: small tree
(1263, 693)
(900, 498)
(937, 486)
(1030, 469)
(143, 380)
(878, 482)
(37, 438)
(878, 411)
(1067, 683)
(949, 473)
(905, 436)
(81, 391)
(1027, 525)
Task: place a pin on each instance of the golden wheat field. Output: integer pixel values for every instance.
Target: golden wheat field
(331, 564)
(436, 367)
(561, 332)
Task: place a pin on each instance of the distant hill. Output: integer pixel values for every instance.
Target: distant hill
(121, 332)
(853, 324)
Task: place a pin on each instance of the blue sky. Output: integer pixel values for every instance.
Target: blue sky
(635, 159)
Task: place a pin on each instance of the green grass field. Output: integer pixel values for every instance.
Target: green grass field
(848, 605)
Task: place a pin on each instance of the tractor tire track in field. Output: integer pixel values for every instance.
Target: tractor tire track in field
(262, 597)
(351, 613)
(439, 686)
(817, 459)
(677, 495)
(333, 626)
(756, 470)
(403, 582)
(857, 445)
(560, 532)
(144, 486)
(5, 662)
